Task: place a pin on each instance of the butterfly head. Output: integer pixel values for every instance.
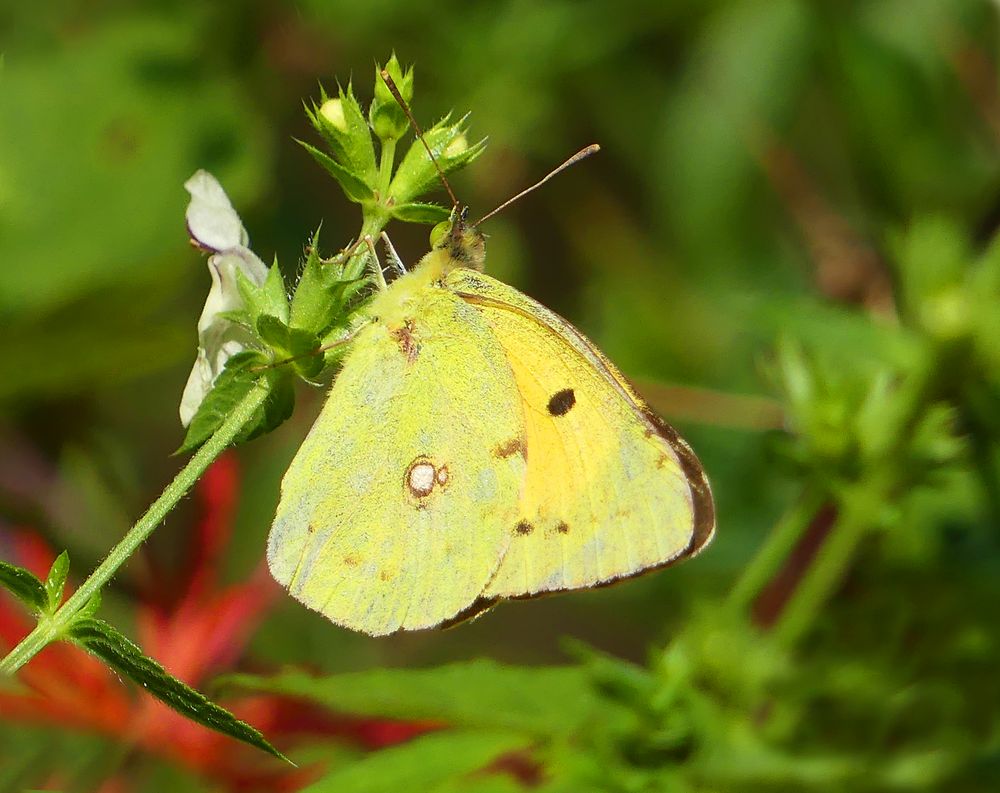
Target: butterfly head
(464, 245)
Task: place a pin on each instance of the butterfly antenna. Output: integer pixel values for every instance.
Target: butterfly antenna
(420, 133)
(593, 148)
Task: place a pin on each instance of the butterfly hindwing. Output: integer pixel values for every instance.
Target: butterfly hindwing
(397, 508)
(610, 491)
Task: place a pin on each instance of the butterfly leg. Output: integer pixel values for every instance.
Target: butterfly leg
(394, 260)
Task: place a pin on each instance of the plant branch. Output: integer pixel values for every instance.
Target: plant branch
(775, 551)
(830, 564)
(50, 628)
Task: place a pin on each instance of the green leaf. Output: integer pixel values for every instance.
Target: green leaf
(232, 384)
(422, 764)
(323, 293)
(417, 212)
(353, 184)
(290, 341)
(23, 585)
(90, 608)
(242, 371)
(417, 175)
(299, 347)
(481, 693)
(268, 298)
(56, 580)
(124, 656)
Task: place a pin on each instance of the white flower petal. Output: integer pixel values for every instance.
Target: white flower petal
(212, 222)
(225, 293)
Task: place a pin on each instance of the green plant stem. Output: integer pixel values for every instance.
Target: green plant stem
(830, 564)
(50, 628)
(775, 550)
(375, 216)
(386, 160)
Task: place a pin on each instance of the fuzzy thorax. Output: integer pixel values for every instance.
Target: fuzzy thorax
(458, 246)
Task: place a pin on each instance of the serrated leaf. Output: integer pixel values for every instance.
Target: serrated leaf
(56, 580)
(23, 585)
(299, 347)
(424, 763)
(232, 384)
(537, 700)
(239, 317)
(126, 657)
(277, 408)
(273, 332)
(241, 372)
(268, 298)
(322, 293)
(417, 175)
(353, 185)
(417, 212)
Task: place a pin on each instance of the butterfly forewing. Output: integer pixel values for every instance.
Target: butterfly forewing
(609, 491)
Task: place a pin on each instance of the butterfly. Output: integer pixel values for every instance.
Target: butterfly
(477, 447)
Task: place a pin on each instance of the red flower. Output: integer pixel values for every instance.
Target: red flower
(203, 632)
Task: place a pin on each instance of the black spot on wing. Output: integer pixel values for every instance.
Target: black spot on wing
(523, 527)
(561, 402)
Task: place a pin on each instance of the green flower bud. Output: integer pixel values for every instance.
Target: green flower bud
(387, 118)
(333, 111)
(457, 146)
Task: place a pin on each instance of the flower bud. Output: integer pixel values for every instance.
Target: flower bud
(457, 146)
(387, 118)
(333, 111)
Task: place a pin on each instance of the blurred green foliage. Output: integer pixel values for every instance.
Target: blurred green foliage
(793, 198)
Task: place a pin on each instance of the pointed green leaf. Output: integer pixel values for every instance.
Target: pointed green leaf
(90, 608)
(353, 184)
(323, 293)
(238, 316)
(23, 585)
(268, 298)
(232, 384)
(242, 371)
(125, 657)
(300, 348)
(417, 212)
(425, 763)
(274, 333)
(417, 175)
(56, 580)
(546, 700)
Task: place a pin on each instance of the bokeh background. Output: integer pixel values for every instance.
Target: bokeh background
(768, 170)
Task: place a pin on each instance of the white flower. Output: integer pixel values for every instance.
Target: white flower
(214, 225)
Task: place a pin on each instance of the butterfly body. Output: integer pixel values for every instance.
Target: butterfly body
(474, 447)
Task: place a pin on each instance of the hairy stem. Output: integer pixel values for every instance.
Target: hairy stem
(52, 627)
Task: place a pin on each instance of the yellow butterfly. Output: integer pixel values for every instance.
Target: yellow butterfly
(475, 447)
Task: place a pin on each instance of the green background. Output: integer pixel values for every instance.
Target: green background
(761, 163)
